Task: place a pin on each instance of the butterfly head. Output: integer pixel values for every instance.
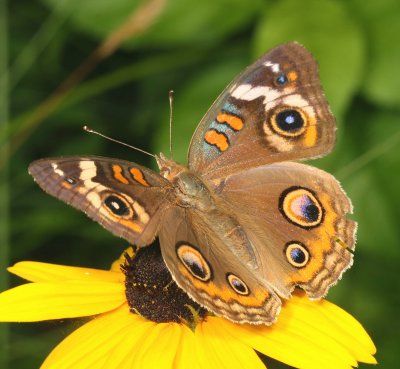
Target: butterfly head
(169, 168)
(190, 189)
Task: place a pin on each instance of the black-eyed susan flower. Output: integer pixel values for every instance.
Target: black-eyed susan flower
(141, 319)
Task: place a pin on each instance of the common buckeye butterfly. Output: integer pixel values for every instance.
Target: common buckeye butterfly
(241, 225)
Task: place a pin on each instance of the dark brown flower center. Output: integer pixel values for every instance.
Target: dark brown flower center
(152, 293)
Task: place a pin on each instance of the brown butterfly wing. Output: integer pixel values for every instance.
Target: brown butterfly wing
(295, 218)
(211, 273)
(125, 198)
(274, 111)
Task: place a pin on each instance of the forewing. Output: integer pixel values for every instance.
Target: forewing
(125, 198)
(274, 111)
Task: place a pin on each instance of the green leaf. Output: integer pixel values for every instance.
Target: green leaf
(96, 17)
(377, 228)
(382, 78)
(384, 141)
(200, 22)
(373, 183)
(182, 22)
(372, 8)
(330, 32)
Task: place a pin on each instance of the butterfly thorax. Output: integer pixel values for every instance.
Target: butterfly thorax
(213, 214)
(190, 189)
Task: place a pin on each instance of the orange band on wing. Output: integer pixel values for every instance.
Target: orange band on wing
(138, 176)
(232, 121)
(117, 169)
(310, 138)
(292, 76)
(137, 228)
(217, 139)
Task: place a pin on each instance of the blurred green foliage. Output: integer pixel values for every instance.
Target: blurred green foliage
(195, 48)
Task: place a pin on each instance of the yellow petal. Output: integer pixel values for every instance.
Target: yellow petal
(185, 357)
(166, 348)
(129, 340)
(353, 334)
(203, 355)
(308, 335)
(287, 347)
(44, 272)
(44, 301)
(158, 349)
(220, 350)
(93, 345)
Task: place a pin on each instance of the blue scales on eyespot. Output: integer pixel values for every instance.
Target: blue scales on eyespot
(297, 255)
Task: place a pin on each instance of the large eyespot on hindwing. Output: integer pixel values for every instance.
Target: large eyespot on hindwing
(301, 207)
(194, 261)
(287, 121)
(297, 254)
(117, 205)
(237, 284)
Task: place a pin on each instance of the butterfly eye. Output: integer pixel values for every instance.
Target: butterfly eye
(194, 262)
(118, 206)
(281, 80)
(288, 121)
(301, 207)
(238, 285)
(297, 254)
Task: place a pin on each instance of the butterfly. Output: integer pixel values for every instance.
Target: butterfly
(241, 226)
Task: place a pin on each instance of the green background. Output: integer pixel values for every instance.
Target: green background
(195, 48)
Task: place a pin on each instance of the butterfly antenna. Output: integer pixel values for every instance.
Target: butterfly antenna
(171, 99)
(89, 130)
